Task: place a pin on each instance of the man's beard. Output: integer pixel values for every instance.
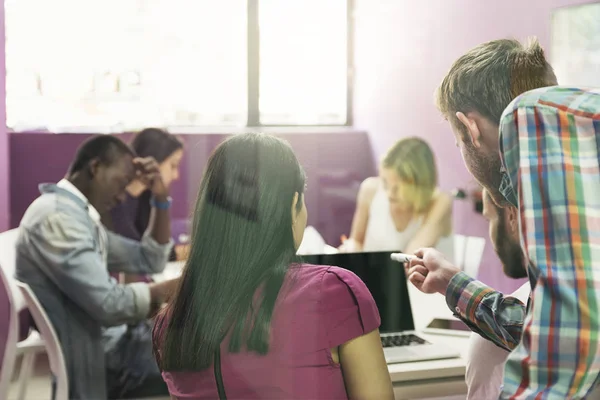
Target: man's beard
(512, 258)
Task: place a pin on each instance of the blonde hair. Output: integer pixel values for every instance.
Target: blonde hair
(412, 159)
(488, 77)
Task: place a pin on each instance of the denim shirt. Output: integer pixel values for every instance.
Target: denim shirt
(65, 257)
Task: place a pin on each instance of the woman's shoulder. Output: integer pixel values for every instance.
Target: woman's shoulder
(370, 185)
(332, 283)
(346, 305)
(368, 189)
(318, 273)
(441, 196)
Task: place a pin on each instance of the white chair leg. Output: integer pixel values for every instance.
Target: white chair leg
(25, 374)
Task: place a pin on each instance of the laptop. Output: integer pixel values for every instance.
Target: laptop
(387, 282)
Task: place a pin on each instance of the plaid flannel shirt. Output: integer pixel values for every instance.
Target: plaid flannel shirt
(550, 146)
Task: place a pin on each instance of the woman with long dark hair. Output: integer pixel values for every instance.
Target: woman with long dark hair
(249, 320)
(131, 218)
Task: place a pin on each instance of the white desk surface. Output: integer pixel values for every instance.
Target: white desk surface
(417, 379)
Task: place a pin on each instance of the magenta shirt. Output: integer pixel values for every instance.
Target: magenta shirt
(318, 308)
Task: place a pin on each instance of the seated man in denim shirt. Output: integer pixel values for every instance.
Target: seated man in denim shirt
(65, 255)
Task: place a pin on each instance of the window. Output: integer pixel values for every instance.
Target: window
(303, 62)
(576, 45)
(125, 64)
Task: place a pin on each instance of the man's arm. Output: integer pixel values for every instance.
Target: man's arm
(159, 225)
(71, 258)
(130, 256)
(489, 313)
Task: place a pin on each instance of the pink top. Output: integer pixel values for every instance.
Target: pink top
(318, 308)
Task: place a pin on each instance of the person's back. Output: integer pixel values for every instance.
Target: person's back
(319, 308)
(247, 316)
(33, 269)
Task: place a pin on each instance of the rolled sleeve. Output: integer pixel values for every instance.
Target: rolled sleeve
(71, 258)
(142, 299)
(489, 313)
(144, 257)
(162, 250)
(464, 294)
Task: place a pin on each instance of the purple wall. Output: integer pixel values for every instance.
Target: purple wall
(403, 49)
(44, 157)
(4, 153)
(333, 175)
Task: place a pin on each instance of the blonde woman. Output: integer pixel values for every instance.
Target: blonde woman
(403, 209)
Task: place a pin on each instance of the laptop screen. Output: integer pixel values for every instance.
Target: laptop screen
(384, 278)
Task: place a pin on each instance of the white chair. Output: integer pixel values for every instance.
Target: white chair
(8, 261)
(33, 344)
(55, 355)
(468, 251)
(9, 332)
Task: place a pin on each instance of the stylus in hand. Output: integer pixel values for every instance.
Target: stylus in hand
(402, 258)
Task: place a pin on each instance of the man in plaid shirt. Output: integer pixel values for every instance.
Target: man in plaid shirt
(543, 158)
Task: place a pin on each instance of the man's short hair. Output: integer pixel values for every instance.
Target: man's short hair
(488, 77)
(105, 148)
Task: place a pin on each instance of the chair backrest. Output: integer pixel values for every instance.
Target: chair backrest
(468, 251)
(9, 333)
(8, 251)
(55, 355)
(8, 262)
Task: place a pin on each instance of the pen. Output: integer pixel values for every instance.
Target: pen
(401, 257)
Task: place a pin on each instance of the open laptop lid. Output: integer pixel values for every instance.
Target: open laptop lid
(384, 278)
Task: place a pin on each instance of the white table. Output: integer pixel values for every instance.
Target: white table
(172, 270)
(425, 379)
(416, 380)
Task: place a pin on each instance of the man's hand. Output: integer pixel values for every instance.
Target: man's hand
(160, 294)
(182, 251)
(148, 172)
(430, 272)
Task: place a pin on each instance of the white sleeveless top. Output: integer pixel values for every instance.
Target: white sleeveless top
(381, 233)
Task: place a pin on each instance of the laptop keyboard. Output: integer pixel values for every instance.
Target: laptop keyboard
(402, 340)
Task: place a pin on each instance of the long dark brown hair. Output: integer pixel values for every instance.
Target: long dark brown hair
(241, 244)
(156, 143)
